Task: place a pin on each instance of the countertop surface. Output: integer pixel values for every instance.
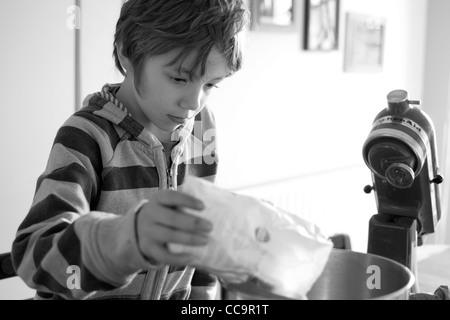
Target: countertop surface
(433, 266)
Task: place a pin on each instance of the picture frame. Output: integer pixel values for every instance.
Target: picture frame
(273, 15)
(364, 45)
(321, 25)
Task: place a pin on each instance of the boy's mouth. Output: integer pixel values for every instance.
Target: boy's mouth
(178, 120)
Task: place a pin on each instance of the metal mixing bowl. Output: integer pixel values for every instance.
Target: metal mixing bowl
(348, 275)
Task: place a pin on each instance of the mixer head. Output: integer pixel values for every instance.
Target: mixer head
(401, 153)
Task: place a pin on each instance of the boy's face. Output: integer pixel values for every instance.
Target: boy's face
(168, 98)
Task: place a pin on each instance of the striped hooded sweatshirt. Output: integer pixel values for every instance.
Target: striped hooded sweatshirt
(79, 238)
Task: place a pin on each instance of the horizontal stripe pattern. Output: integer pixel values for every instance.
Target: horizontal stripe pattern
(70, 251)
(100, 130)
(121, 157)
(64, 190)
(102, 164)
(69, 165)
(76, 139)
(119, 200)
(45, 210)
(130, 178)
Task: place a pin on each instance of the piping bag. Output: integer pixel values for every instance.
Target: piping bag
(253, 239)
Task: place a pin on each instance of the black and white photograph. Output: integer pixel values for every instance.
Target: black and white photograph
(365, 41)
(321, 25)
(227, 155)
(273, 14)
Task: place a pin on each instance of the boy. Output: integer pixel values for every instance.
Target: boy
(106, 206)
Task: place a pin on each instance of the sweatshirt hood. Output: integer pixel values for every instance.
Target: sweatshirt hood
(111, 109)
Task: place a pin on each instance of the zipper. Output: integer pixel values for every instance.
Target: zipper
(156, 277)
(158, 286)
(170, 179)
(169, 172)
(153, 286)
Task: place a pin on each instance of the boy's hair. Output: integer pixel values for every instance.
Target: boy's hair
(149, 28)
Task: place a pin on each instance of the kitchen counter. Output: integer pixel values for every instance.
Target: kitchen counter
(433, 265)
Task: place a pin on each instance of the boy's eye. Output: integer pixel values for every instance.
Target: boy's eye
(179, 80)
(211, 85)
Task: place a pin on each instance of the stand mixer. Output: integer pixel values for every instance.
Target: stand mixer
(401, 153)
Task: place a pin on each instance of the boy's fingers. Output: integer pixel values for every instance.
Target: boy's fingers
(180, 199)
(183, 221)
(166, 235)
(162, 253)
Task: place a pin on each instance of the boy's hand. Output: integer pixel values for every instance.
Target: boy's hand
(162, 220)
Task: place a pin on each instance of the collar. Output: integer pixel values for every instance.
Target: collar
(181, 134)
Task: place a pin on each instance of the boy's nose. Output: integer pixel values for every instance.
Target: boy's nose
(192, 100)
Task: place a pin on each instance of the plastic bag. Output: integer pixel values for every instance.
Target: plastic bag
(251, 238)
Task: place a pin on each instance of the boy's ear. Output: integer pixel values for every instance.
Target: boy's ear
(124, 61)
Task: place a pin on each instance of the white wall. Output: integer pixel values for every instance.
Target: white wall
(291, 113)
(97, 67)
(437, 98)
(287, 113)
(37, 90)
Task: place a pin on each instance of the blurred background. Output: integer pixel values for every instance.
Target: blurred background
(291, 123)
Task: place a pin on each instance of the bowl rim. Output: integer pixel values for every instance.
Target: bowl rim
(235, 287)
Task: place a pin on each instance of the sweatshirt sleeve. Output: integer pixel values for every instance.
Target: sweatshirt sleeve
(64, 248)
